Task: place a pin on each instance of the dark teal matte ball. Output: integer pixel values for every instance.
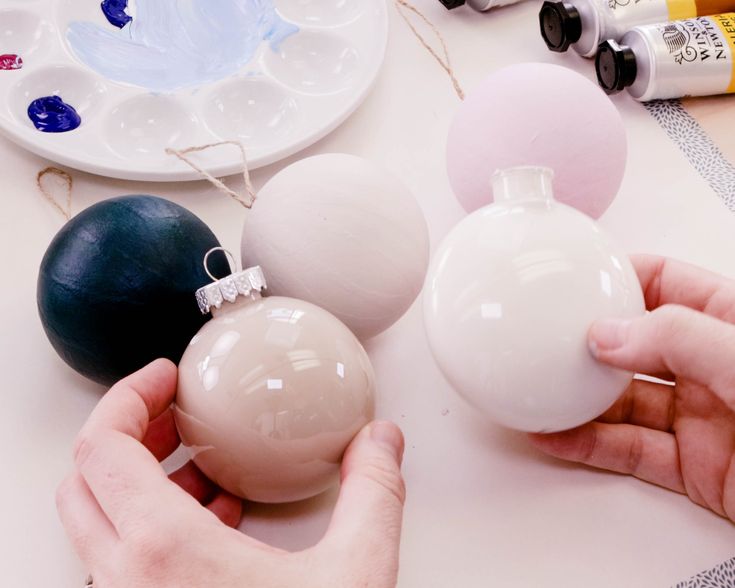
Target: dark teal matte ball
(116, 286)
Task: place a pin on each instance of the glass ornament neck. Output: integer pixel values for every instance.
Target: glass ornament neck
(524, 183)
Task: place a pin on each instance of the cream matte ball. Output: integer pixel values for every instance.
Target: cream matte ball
(343, 233)
(510, 296)
(538, 114)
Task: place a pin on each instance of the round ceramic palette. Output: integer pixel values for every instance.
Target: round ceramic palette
(107, 88)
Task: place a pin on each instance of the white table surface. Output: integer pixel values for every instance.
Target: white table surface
(484, 509)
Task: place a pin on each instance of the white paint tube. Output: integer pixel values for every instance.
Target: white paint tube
(692, 57)
(584, 24)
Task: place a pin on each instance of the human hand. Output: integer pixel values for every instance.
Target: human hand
(135, 527)
(679, 436)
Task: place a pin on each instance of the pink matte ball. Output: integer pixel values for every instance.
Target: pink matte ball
(543, 115)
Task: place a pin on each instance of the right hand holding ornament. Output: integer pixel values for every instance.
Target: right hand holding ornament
(676, 435)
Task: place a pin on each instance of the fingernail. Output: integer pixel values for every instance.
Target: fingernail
(608, 335)
(389, 436)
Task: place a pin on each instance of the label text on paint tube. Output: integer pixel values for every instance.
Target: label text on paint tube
(707, 45)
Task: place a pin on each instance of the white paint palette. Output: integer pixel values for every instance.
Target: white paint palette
(283, 99)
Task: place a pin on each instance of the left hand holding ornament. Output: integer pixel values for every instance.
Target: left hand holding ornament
(132, 525)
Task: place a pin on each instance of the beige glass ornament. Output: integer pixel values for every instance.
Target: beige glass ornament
(271, 392)
(510, 297)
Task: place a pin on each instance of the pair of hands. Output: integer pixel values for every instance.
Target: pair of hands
(134, 526)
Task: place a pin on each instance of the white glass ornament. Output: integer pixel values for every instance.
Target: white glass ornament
(343, 233)
(510, 297)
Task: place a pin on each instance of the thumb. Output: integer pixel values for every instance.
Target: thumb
(367, 519)
(671, 339)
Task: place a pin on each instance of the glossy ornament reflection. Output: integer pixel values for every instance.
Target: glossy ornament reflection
(509, 298)
(271, 392)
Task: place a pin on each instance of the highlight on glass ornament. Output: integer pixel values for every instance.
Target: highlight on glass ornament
(343, 233)
(543, 115)
(509, 299)
(271, 392)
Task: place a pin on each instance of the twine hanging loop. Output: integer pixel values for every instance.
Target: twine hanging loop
(248, 201)
(402, 6)
(68, 184)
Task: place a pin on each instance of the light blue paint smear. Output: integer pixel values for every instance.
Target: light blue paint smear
(174, 44)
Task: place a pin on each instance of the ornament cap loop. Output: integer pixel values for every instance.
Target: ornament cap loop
(230, 288)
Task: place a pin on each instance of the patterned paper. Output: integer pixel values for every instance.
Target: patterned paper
(704, 129)
(722, 576)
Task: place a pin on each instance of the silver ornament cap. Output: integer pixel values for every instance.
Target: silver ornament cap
(229, 288)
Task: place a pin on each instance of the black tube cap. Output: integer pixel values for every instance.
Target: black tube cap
(452, 4)
(616, 66)
(561, 25)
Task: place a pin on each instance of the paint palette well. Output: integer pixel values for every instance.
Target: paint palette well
(289, 77)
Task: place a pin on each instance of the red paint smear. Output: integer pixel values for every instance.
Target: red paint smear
(10, 61)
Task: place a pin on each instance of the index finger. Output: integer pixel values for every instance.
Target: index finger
(122, 474)
(667, 281)
(131, 404)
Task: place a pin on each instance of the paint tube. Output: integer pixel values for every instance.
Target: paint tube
(584, 24)
(479, 5)
(692, 57)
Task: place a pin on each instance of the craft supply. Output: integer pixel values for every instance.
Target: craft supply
(584, 24)
(114, 287)
(59, 174)
(510, 296)
(10, 61)
(271, 391)
(479, 5)
(146, 75)
(442, 60)
(692, 57)
(538, 114)
(529, 110)
(182, 44)
(341, 232)
(51, 114)
(116, 12)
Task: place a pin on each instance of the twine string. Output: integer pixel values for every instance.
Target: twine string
(49, 196)
(444, 61)
(251, 195)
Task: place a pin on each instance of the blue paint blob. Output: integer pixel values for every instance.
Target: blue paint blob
(174, 44)
(115, 12)
(51, 114)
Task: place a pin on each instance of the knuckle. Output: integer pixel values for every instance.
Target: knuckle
(151, 545)
(387, 476)
(588, 445)
(670, 318)
(83, 448)
(634, 455)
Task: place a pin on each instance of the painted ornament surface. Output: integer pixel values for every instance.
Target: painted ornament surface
(166, 45)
